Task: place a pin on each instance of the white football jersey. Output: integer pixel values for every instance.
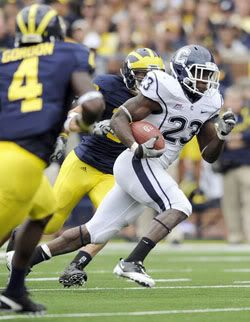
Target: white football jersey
(180, 119)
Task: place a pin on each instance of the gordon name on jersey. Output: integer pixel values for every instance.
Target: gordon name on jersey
(180, 119)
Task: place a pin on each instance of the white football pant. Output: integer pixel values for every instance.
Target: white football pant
(139, 183)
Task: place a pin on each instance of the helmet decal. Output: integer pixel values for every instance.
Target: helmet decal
(38, 23)
(182, 55)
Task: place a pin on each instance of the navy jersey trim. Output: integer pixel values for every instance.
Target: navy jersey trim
(158, 183)
(157, 92)
(142, 176)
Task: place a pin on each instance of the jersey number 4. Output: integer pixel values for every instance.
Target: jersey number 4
(25, 86)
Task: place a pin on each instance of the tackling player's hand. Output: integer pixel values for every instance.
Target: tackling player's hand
(72, 123)
(60, 147)
(224, 124)
(101, 128)
(146, 150)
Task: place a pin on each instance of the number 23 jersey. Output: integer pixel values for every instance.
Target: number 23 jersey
(179, 119)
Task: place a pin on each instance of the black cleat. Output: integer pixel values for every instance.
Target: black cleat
(73, 276)
(134, 271)
(21, 304)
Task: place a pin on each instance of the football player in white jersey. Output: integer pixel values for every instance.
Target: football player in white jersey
(181, 106)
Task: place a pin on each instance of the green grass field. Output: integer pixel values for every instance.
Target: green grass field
(194, 282)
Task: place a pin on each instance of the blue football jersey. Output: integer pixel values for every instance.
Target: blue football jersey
(35, 93)
(101, 152)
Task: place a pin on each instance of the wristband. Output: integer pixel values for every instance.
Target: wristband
(134, 146)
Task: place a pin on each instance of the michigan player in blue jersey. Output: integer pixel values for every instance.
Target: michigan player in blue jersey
(37, 79)
(88, 169)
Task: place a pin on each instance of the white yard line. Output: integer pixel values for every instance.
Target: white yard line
(42, 279)
(111, 314)
(160, 270)
(48, 279)
(237, 270)
(173, 280)
(169, 270)
(242, 282)
(217, 259)
(140, 288)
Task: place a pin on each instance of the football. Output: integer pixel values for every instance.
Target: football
(143, 131)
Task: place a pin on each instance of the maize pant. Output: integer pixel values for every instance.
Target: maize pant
(75, 180)
(24, 190)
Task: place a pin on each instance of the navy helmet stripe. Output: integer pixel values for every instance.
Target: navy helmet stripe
(137, 165)
(158, 183)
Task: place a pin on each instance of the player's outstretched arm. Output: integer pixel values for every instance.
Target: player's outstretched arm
(212, 136)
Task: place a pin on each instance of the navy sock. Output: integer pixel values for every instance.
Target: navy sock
(82, 259)
(142, 249)
(38, 256)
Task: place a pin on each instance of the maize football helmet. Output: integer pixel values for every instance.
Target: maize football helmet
(137, 64)
(194, 67)
(38, 23)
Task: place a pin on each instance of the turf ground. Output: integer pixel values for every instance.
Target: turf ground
(194, 282)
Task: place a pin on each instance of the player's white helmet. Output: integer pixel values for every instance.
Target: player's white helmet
(195, 69)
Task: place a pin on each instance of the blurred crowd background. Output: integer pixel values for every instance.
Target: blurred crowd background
(220, 194)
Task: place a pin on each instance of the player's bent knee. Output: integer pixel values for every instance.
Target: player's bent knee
(187, 208)
(184, 206)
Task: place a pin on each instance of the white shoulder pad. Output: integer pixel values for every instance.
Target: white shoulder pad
(215, 102)
(157, 85)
